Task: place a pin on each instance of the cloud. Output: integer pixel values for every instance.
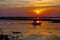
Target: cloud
(29, 3)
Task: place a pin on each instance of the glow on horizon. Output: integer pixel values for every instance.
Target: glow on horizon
(38, 11)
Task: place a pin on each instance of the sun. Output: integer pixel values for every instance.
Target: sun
(37, 11)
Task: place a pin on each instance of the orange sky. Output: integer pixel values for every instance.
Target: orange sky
(28, 3)
(29, 11)
(45, 12)
(27, 7)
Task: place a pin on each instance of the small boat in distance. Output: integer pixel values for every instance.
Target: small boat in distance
(36, 22)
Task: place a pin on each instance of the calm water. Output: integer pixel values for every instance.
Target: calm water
(45, 31)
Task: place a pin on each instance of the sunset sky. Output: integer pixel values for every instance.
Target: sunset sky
(15, 7)
(29, 3)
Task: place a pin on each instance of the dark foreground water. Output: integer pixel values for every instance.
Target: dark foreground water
(45, 31)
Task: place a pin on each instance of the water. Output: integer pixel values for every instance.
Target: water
(45, 31)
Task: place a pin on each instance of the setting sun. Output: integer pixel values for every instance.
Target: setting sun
(37, 11)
